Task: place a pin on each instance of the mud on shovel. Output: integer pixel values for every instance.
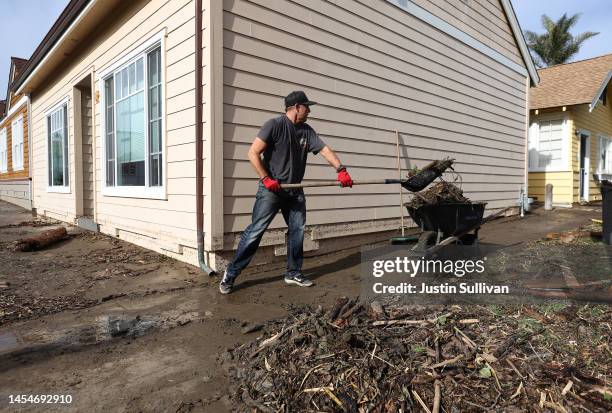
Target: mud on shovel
(415, 183)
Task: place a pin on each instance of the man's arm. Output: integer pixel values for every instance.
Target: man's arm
(332, 158)
(255, 151)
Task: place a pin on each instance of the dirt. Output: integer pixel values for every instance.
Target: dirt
(442, 192)
(120, 328)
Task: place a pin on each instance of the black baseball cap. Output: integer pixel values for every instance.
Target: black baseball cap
(297, 97)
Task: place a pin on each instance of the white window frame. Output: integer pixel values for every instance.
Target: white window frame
(534, 134)
(3, 151)
(64, 189)
(17, 148)
(147, 192)
(601, 168)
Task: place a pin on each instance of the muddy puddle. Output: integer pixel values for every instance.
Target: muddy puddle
(104, 328)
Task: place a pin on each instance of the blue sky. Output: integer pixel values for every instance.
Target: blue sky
(23, 25)
(30, 20)
(596, 16)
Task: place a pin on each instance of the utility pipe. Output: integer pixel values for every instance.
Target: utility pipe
(199, 146)
(399, 176)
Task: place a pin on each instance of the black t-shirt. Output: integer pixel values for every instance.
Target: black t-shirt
(287, 148)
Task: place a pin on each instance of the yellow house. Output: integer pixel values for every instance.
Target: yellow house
(570, 132)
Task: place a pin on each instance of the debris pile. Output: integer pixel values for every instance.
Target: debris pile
(441, 193)
(360, 357)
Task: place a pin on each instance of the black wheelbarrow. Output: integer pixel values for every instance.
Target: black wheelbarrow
(445, 224)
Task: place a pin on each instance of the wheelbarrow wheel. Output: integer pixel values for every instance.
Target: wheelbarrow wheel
(468, 239)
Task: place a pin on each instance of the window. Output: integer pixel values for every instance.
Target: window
(605, 155)
(57, 148)
(547, 145)
(133, 126)
(3, 151)
(17, 140)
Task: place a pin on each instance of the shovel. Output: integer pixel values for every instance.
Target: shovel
(415, 183)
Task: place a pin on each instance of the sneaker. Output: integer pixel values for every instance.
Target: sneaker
(226, 285)
(298, 279)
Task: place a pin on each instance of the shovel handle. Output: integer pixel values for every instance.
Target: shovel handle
(337, 183)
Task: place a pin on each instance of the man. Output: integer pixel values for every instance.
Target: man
(284, 142)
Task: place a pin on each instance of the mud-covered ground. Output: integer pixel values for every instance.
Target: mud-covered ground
(119, 328)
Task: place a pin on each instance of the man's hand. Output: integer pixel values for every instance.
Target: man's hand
(345, 178)
(271, 184)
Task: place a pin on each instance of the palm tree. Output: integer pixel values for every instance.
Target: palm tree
(557, 45)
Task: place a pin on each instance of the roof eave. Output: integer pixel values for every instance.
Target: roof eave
(559, 105)
(520, 40)
(8, 87)
(600, 90)
(69, 16)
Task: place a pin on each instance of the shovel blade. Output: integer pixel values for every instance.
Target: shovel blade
(427, 175)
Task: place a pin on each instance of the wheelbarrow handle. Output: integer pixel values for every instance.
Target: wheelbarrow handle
(337, 183)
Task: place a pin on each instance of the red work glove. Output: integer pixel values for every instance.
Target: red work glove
(344, 178)
(271, 184)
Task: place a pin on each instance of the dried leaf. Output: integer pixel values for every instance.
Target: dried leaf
(485, 372)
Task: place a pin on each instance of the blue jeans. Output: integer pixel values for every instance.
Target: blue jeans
(292, 204)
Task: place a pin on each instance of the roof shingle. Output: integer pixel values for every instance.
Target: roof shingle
(570, 83)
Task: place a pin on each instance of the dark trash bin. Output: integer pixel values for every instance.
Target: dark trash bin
(606, 211)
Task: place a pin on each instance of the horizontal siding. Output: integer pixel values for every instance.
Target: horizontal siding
(418, 136)
(359, 111)
(374, 69)
(16, 192)
(406, 41)
(14, 99)
(170, 221)
(6, 123)
(598, 122)
(161, 232)
(323, 217)
(484, 20)
(348, 200)
(562, 186)
(242, 169)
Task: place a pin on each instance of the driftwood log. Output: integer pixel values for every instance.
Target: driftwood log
(42, 240)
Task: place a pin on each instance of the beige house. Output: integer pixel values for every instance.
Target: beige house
(570, 142)
(124, 93)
